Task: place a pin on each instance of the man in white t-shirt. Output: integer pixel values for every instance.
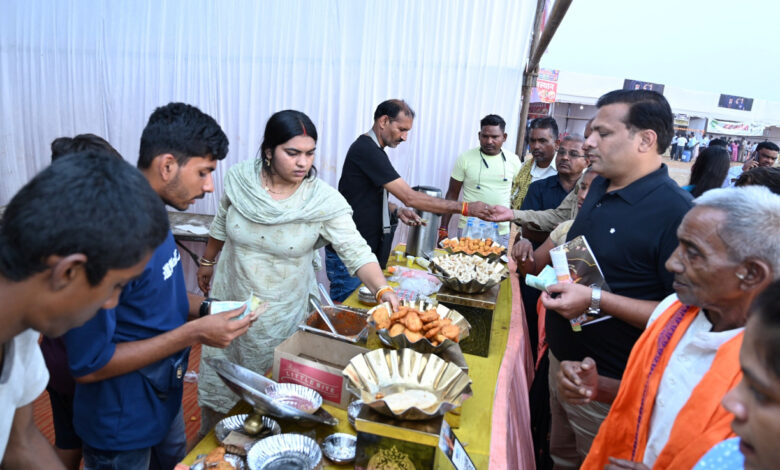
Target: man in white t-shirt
(65, 252)
(485, 173)
(682, 141)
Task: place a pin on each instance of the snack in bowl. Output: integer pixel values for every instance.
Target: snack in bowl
(470, 246)
(415, 324)
(419, 325)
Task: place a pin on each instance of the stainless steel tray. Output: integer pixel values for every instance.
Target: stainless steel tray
(247, 385)
(346, 333)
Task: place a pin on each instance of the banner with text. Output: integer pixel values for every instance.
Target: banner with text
(734, 128)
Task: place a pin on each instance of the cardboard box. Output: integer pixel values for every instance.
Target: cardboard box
(316, 362)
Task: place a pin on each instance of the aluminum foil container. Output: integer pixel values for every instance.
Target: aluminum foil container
(340, 447)
(471, 287)
(491, 256)
(235, 460)
(405, 384)
(350, 323)
(285, 452)
(235, 423)
(422, 345)
(250, 386)
(297, 396)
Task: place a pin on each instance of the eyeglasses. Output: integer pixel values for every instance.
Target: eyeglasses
(570, 153)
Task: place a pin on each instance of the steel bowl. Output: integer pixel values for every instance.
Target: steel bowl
(235, 460)
(250, 385)
(285, 452)
(340, 447)
(422, 345)
(294, 395)
(405, 384)
(470, 287)
(235, 423)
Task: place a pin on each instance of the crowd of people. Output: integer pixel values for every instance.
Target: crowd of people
(686, 269)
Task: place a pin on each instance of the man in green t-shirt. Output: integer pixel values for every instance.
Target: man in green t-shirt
(484, 173)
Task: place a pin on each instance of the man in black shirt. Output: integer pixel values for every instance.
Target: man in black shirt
(629, 218)
(366, 179)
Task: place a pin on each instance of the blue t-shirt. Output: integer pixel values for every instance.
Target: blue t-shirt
(134, 410)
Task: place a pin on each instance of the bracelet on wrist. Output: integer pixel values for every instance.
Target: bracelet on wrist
(382, 291)
(206, 262)
(465, 209)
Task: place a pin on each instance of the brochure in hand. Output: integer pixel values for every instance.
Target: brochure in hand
(583, 269)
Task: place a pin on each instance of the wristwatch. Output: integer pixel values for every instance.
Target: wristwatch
(205, 306)
(595, 300)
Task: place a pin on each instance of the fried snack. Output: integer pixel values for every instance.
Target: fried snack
(215, 456)
(381, 317)
(413, 336)
(431, 325)
(415, 324)
(470, 246)
(223, 465)
(398, 315)
(396, 329)
(429, 315)
(432, 332)
(451, 332)
(412, 322)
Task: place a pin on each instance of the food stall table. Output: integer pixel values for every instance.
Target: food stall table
(499, 385)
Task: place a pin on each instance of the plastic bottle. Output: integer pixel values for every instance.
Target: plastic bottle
(484, 229)
(468, 232)
(494, 232)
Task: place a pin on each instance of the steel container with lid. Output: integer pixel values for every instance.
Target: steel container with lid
(423, 238)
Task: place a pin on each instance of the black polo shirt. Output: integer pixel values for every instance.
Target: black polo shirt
(547, 193)
(632, 232)
(366, 170)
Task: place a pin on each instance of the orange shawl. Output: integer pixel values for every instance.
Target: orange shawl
(702, 421)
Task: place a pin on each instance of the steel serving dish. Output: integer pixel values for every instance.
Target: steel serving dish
(248, 385)
(235, 423)
(285, 452)
(340, 447)
(422, 345)
(297, 396)
(235, 460)
(405, 384)
(471, 287)
(351, 323)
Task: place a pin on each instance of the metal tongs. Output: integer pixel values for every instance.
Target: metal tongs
(317, 307)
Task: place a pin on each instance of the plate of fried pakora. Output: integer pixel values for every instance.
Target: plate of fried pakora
(419, 325)
(484, 247)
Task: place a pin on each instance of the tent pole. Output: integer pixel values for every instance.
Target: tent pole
(539, 43)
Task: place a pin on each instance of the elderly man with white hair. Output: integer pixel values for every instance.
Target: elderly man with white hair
(666, 410)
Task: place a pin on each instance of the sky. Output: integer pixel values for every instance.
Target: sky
(730, 47)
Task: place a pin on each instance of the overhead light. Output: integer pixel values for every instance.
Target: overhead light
(582, 107)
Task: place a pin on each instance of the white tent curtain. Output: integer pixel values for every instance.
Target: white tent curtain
(69, 67)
